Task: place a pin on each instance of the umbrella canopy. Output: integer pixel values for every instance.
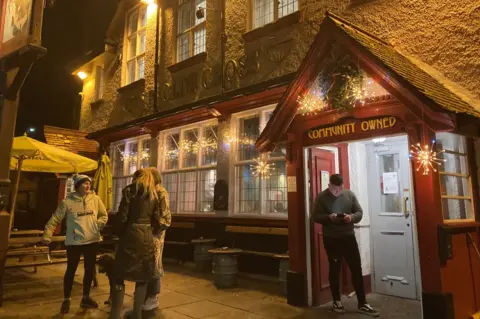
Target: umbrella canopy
(41, 157)
(102, 183)
(31, 155)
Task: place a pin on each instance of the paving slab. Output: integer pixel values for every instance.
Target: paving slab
(185, 294)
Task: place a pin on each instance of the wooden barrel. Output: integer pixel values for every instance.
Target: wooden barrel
(225, 267)
(203, 260)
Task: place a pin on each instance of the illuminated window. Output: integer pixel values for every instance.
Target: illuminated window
(455, 178)
(98, 83)
(253, 194)
(189, 167)
(267, 11)
(135, 44)
(127, 157)
(191, 33)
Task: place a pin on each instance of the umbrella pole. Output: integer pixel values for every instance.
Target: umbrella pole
(15, 192)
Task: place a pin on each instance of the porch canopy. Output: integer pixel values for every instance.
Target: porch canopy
(423, 90)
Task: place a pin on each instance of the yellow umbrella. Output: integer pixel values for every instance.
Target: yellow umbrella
(102, 182)
(30, 155)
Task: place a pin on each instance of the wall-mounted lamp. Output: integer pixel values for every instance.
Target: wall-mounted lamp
(149, 2)
(82, 75)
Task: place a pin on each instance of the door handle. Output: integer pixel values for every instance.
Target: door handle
(405, 209)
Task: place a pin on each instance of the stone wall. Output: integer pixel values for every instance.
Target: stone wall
(440, 33)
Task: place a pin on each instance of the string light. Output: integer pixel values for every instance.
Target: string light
(426, 157)
(262, 168)
(310, 103)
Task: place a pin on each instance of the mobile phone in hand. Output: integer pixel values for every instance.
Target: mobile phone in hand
(340, 216)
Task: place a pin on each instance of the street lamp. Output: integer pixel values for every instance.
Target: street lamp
(31, 129)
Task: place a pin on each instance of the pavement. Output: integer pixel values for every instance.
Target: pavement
(185, 294)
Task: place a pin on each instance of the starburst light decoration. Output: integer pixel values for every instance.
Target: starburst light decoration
(262, 168)
(310, 103)
(426, 157)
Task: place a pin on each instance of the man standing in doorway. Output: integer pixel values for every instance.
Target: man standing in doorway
(338, 209)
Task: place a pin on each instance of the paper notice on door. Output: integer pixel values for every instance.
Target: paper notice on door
(390, 183)
(325, 180)
(292, 184)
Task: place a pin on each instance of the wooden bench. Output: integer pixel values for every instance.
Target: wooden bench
(283, 258)
(181, 255)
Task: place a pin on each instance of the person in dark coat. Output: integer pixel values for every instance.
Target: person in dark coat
(138, 214)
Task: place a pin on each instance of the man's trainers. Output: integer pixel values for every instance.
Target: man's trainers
(65, 306)
(150, 304)
(368, 310)
(338, 307)
(88, 302)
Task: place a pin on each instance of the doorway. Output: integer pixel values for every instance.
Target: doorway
(378, 172)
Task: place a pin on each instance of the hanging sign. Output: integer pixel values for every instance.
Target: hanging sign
(359, 126)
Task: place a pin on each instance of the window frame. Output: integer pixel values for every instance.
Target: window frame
(190, 31)
(234, 163)
(276, 14)
(126, 42)
(198, 168)
(126, 175)
(469, 179)
(99, 84)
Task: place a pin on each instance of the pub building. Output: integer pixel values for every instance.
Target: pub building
(244, 152)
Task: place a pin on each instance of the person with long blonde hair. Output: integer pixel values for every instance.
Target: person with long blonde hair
(138, 215)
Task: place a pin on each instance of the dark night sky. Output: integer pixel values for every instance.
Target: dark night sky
(49, 96)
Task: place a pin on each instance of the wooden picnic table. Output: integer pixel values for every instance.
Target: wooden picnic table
(32, 232)
(32, 240)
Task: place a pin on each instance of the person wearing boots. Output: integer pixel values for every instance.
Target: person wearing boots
(139, 214)
(85, 218)
(338, 209)
(159, 230)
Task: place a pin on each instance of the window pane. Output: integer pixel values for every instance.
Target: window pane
(199, 41)
(188, 192)
(207, 183)
(453, 163)
(183, 49)
(203, 4)
(171, 152)
(209, 145)
(451, 142)
(143, 17)
(248, 186)
(170, 182)
(286, 7)
(142, 38)
(454, 186)
(118, 185)
(388, 164)
(248, 133)
(189, 148)
(145, 155)
(276, 189)
(132, 158)
(118, 165)
(457, 209)
(263, 12)
(133, 22)
(132, 47)
(184, 18)
(131, 71)
(141, 68)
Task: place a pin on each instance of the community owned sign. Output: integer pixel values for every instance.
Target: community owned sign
(358, 126)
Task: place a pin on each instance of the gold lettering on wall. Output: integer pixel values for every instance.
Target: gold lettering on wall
(352, 128)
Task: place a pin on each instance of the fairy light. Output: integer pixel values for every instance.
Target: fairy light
(262, 168)
(310, 103)
(426, 157)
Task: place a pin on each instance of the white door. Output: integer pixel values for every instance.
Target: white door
(390, 205)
